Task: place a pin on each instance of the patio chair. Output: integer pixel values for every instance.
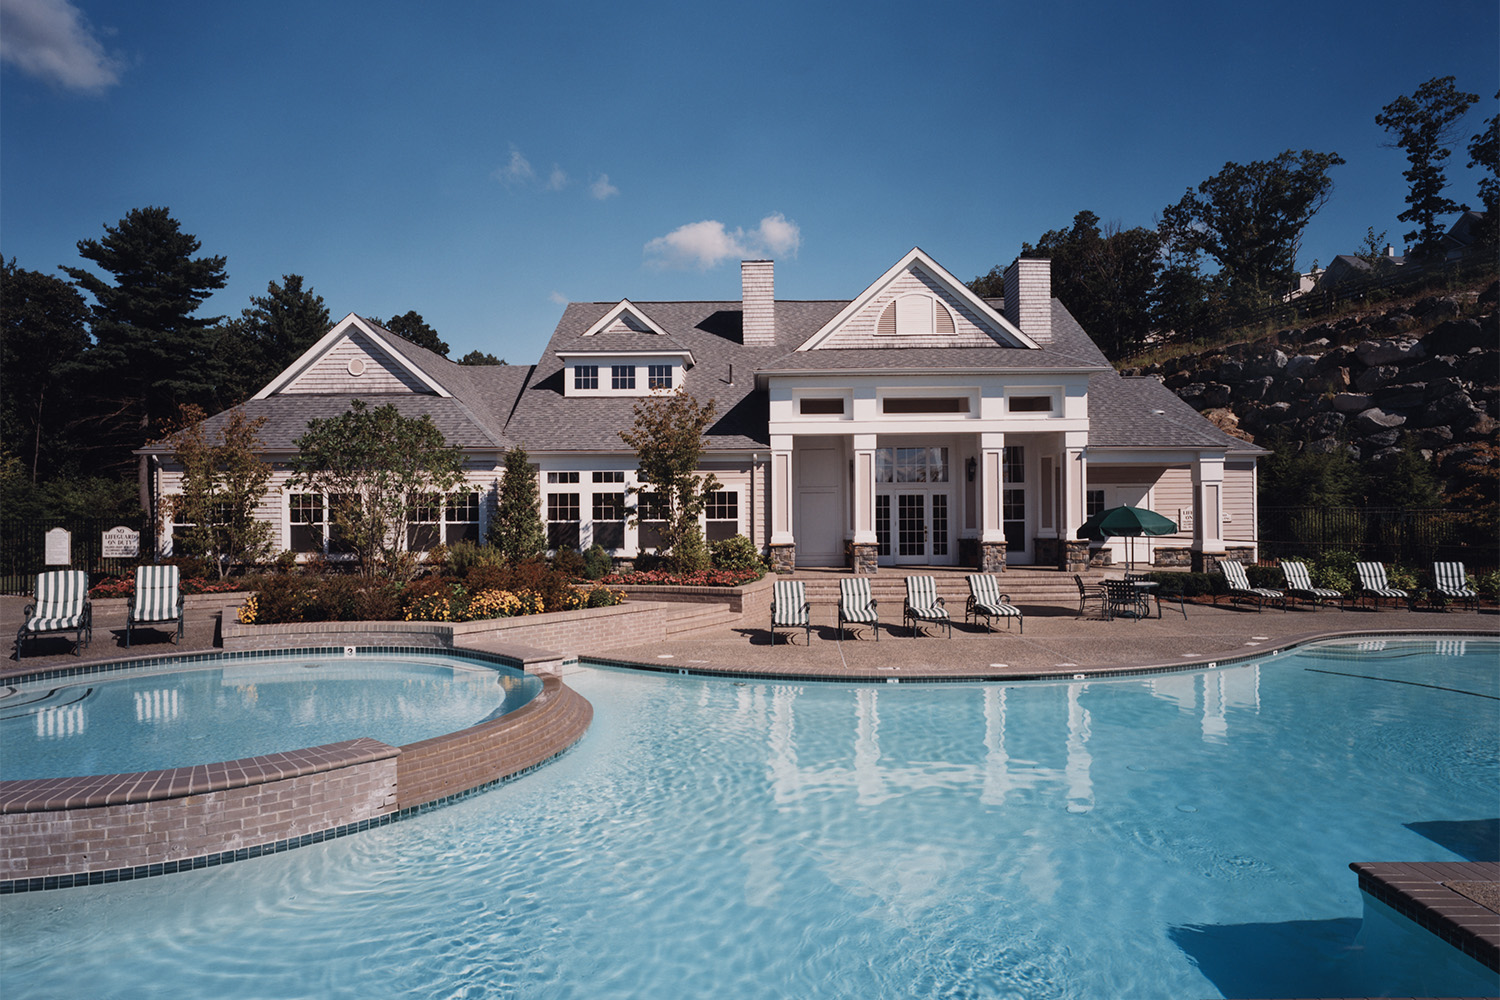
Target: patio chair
(1374, 585)
(1122, 599)
(1155, 594)
(923, 605)
(1086, 594)
(61, 605)
(1239, 586)
(1299, 584)
(856, 606)
(985, 601)
(790, 610)
(157, 600)
(1450, 580)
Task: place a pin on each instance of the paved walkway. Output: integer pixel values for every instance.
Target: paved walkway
(1055, 642)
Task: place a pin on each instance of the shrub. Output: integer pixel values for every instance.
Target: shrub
(1489, 585)
(568, 562)
(597, 562)
(282, 599)
(465, 557)
(447, 602)
(690, 554)
(1402, 578)
(503, 604)
(738, 552)
(601, 596)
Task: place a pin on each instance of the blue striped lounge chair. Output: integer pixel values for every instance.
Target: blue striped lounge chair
(1299, 584)
(157, 600)
(1239, 587)
(856, 606)
(1450, 580)
(1374, 585)
(789, 609)
(924, 605)
(985, 601)
(61, 605)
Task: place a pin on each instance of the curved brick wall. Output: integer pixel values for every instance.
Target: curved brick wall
(74, 831)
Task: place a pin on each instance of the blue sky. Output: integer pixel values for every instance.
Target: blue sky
(484, 163)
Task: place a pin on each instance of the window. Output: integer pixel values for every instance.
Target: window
(821, 407)
(1093, 503)
(424, 529)
(911, 465)
(1014, 465)
(608, 477)
(562, 477)
(609, 520)
(461, 518)
(659, 376)
(586, 377)
(307, 522)
(562, 520)
(1030, 404)
(722, 513)
(651, 514)
(622, 377)
(925, 404)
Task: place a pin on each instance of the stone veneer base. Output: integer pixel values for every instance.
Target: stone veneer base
(63, 832)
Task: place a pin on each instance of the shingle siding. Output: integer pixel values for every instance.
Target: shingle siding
(330, 374)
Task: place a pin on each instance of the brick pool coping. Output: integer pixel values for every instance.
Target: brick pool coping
(1420, 891)
(62, 832)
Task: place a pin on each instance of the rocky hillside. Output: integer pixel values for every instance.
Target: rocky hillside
(1429, 367)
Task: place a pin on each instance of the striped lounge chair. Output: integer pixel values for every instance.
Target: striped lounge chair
(790, 610)
(1299, 584)
(157, 600)
(1450, 580)
(856, 606)
(62, 605)
(986, 601)
(1374, 585)
(1239, 586)
(924, 605)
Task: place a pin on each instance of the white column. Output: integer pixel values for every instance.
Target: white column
(1208, 504)
(991, 473)
(780, 490)
(1074, 484)
(864, 489)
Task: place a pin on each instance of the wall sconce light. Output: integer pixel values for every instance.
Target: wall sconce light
(970, 466)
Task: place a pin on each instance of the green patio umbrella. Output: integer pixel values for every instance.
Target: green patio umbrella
(1128, 522)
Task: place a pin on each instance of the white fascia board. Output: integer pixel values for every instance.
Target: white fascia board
(958, 288)
(624, 306)
(1047, 376)
(680, 352)
(325, 344)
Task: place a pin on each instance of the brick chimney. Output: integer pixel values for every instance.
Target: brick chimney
(758, 300)
(1028, 297)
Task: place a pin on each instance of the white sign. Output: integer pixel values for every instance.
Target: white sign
(59, 547)
(120, 543)
(1184, 519)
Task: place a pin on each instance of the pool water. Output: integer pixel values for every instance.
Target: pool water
(110, 723)
(1182, 835)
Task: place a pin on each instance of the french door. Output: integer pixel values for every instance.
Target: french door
(913, 527)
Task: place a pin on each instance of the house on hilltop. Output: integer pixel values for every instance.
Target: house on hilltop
(915, 423)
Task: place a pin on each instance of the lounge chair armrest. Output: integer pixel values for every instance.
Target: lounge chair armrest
(30, 610)
(1004, 598)
(940, 602)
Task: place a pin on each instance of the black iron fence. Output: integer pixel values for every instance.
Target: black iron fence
(1414, 537)
(23, 548)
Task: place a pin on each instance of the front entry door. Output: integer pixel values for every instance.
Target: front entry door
(912, 528)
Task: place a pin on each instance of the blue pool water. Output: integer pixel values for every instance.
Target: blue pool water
(108, 723)
(1182, 835)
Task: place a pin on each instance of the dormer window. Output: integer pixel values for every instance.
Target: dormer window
(621, 377)
(916, 314)
(659, 377)
(623, 373)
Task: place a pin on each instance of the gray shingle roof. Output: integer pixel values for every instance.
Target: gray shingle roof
(1140, 412)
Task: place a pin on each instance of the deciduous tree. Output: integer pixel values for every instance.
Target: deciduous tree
(1249, 218)
(223, 481)
(668, 440)
(1484, 153)
(1425, 125)
(376, 467)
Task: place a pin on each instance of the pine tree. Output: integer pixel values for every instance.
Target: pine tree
(516, 529)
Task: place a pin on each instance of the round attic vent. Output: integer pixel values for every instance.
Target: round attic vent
(356, 366)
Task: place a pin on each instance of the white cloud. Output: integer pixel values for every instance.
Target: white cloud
(517, 169)
(51, 40)
(557, 180)
(602, 188)
(707, 244)
(559, 298)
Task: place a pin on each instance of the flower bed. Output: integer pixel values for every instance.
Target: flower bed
(124, 586)
(705, 578)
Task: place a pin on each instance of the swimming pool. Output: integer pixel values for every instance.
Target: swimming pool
(180, 714)
(1180, 835)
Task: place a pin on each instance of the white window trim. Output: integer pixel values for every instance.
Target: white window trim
(1053, 392)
